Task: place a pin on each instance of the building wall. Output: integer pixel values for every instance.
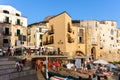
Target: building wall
(10, 22)
(60, 25)
(34, 32)
(100, 34)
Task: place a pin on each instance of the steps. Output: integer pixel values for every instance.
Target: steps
(9, 72)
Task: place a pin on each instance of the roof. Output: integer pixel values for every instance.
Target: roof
(10, 9)
(37, 23)
(60, 14)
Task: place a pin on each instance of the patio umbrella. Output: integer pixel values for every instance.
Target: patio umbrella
(101, 62)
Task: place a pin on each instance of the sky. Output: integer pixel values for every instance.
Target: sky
(37, 10)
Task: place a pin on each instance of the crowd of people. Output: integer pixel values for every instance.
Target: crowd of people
(95, 72)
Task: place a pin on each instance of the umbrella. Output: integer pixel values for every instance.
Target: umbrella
(101, 62)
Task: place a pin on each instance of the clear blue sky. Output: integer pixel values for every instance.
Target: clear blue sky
(37, 10)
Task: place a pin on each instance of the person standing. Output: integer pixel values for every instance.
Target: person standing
(8, 51)
(29, 51)
(12, 51)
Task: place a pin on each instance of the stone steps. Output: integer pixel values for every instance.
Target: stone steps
(7, 66)
(14, 75)
(7, 62)
(9, 72)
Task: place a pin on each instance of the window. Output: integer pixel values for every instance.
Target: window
(69, 29)
(51, 39)
(112, 38)
(40, 43)
(80, 40)
(6, 20)
(17, 14)
(18, 32)
(40, 29)
(112, 31)
(18, 22)
(5, 11)
(96, 24)
(112, 24)
(81, 32)
(22, 37)
(40, 36)
(5, 41)
(6, 31)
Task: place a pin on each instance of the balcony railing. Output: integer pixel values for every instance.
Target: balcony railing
(7, 33)
(80, 34)
(48, 42)
(70, 40)
(94, 43)
(51, 32)
(6, 44)
(69, 30)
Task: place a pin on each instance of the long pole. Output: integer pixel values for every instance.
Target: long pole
(22, 43)
(46, 69)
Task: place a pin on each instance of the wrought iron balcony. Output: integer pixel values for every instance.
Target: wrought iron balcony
(51, 32)
(48, 42)
(7, 33)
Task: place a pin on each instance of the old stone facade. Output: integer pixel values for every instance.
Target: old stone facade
(99, 39)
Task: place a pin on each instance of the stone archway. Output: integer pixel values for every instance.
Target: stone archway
(79, 53)
(93, 52)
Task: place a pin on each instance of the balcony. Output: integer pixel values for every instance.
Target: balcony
(6, 44)
(80, 34)
(7, 22)
(48, 42)
(7, 33)
(94, 43)
(69, 30)
(51, 32)
(70, 40)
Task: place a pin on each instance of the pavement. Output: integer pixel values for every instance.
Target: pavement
(40, 76)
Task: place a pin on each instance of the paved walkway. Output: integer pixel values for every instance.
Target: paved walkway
(40, 76)
(28, 77)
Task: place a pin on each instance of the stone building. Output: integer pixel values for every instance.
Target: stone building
(13, 27)
(99, 39)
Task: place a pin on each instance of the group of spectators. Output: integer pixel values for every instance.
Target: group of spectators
(10, 51)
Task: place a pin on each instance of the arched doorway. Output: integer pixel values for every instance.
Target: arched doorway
(79, 53)
(93, 52)
(79, 57)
